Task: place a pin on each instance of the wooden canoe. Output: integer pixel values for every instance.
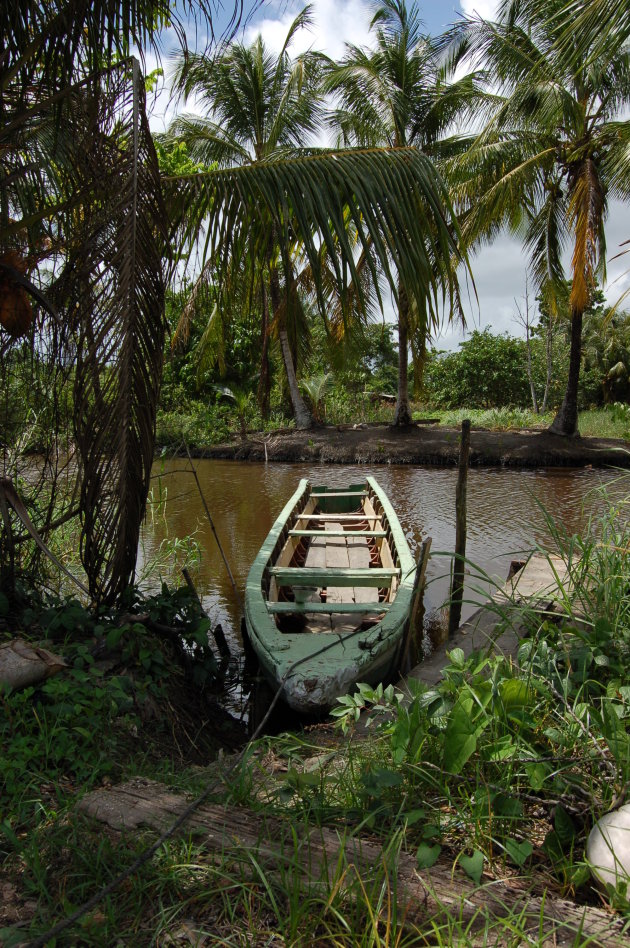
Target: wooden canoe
(330, 593)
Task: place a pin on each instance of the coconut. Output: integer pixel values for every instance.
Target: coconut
(608, 847)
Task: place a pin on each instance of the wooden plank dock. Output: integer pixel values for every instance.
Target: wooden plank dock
(497, 624)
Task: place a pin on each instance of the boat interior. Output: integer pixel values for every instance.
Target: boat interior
(334, 568)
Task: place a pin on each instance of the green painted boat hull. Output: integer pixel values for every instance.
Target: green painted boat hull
(315, 669)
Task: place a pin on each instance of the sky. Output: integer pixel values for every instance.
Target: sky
(499, 270)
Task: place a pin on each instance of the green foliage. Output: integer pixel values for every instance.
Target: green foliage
(621, 413)
(493, 737)
(605, 371)
(316, 388)
(67, 731)
(365, 359)
(488, 371)
(173, 156)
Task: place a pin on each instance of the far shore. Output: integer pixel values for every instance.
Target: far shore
(422, 444)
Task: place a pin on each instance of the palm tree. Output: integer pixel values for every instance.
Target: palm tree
(81, 217)
(396, 95)
(261, 107)
(110, 229)
(552, 151)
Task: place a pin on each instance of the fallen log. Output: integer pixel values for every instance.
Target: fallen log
(22, 664)
(334, 858)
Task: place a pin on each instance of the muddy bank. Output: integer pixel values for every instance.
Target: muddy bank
(422, 444)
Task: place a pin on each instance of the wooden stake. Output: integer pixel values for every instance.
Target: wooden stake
(457, 585)
(413, 629)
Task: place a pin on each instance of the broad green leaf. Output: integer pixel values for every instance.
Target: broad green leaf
(462, 731)
(564, 825)
(515, 694)
(519, 851)
(431, 831)
(537, 774)
(114, 636)
(457, 657)
(473, 865)
(505, 805)
(427, 855)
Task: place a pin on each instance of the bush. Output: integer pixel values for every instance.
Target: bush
(488, 372)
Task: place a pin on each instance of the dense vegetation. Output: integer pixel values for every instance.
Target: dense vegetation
(298, 247)
(496, 773)
(341, 383)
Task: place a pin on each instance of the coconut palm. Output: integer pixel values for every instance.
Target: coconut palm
(109, 227)
(553, 151)
(366, 208)
(82, 234)
(260, 107)
(397, 95)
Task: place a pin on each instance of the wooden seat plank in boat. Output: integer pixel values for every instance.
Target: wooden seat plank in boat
(376, 534)
(338, 518)
(303, 576)
(340, 493)
(323, 608)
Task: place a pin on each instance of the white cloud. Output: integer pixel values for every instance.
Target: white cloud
(487, 9)
(335, 24)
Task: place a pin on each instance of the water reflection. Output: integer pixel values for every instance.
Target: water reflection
(505, 518)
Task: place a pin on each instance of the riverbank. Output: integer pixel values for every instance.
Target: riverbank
(423, 444)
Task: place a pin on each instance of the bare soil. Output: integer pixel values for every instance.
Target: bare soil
(424, 444)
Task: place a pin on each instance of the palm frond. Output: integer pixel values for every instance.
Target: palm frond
(586, 204)
(397, 202)
(114, 274)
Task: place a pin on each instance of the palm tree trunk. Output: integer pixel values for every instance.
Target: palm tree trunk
(566, 421)
(402, 415)
(419, 356)
(302, 415)
(264, 382)
(549, 354)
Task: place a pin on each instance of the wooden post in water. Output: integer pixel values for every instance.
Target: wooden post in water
(457, 584)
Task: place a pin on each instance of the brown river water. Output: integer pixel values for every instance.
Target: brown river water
(505, 519)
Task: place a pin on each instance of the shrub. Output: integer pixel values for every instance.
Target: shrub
(488, 371)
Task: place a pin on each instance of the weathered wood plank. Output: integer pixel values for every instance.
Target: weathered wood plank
(338, 533)
(359, 558)
(324, 854)
(347, 608)
(339, 493)
(305, 576)
(316, 559)
(337, 517)
(337, 558)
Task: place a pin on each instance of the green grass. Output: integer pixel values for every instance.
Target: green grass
(594, 423)
(205, 428)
